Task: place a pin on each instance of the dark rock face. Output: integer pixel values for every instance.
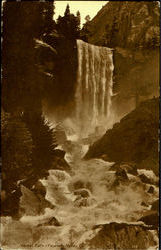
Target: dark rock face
(119, 24)
(121, 175)
(144, 204)
(155, 205)
(122, 236)
(81, 185)
(82, 192)
(130, 168)
(32, 203)
(61, 164)
(145, 179)
(134, 139)
(38, 188)
(132, 29)
(59, 153)
(150, 218)
(83, 202)
(151, 190)
(121, 178)
(50, 222)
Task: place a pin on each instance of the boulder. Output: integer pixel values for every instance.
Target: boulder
(155, 205)
(150, 218)
(83, 202)
(59, 153)
(121, 236)
(145, 179)
(82, 192)
(32, 203)
(151, 190)
(39, 188)
(135, 139)
(50, 222)
(61, 164)
(121, 175)
(128, 167)
(80, 184)
(144, 204)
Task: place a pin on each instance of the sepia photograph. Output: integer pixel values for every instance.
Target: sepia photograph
(80, 125)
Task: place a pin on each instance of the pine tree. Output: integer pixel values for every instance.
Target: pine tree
(17, 147)
(78, 19)
(67, 11)
(23, 21)
(43, 140)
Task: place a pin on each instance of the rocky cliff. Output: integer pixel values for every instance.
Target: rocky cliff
(134, 138)
(126, 24)
(132, 30)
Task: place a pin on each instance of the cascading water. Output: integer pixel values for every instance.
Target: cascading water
(91, 194)
(94, 86)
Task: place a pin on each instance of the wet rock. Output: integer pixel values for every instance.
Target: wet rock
(121, 236)
(59, 153)
(104, 157)
(61, 164)
(31, 203)
(155, 205)
(50, 222)
(128, 167)
(144, 204)
(124, 143)
(145, 179)
(121, 176)
(151, 190)
(83, 202)
(150, 218)
(82, 192)
(81, 184)
(39, 188)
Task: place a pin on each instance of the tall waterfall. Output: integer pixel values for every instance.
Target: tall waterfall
(94, 86)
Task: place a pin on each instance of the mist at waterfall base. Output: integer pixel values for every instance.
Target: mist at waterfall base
(101, 203)
(91, 109)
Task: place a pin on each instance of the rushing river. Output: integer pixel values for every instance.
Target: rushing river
(82, 199)
(90, 194)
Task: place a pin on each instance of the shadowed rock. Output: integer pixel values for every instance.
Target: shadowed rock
(50, 222)
(128, 167)
(155, 205)
(151, 190)
(82, 192)
(121, 236)
(150, 218)
(145, 179)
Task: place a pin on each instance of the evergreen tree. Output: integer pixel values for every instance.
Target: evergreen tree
(67, 11)
(17, 147)
(43, 140)
(87, 18)
(23, 21)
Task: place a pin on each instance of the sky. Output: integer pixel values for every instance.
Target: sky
(85, 8)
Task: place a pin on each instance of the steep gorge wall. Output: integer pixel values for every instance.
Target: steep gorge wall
(132, 29)
(133, 139)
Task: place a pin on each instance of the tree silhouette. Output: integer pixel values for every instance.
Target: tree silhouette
(67, 11)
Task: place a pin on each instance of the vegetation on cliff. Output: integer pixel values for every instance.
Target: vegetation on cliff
(133, 30)
(126, 24)
(28, 143)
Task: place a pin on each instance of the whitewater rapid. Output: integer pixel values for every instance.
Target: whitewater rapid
(76, 215)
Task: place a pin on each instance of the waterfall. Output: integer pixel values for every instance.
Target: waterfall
(94, 86)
